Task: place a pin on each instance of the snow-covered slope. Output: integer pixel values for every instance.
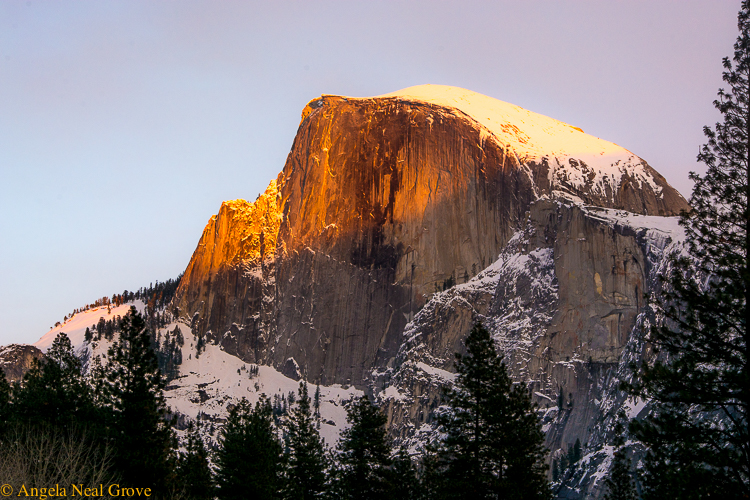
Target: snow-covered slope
(75, 326)
(209, 384)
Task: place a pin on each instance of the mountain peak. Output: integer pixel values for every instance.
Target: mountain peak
(573, 162)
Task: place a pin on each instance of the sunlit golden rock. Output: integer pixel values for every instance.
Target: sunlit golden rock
(382, 202)
(223, 276)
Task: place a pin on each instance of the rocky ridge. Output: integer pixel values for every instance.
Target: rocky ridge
(392, 212)
(567, 321)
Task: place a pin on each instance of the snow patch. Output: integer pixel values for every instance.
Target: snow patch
(391, 392)
(634, 407)
(209, 384)
(444, 375)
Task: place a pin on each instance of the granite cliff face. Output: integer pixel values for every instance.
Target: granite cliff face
(564, 302)
(382, 202)
(398, 221)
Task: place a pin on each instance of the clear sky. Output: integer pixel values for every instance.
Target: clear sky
(125, 124)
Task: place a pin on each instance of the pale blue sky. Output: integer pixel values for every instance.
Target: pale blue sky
(125, 124)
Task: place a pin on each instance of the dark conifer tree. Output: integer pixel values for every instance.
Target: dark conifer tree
(132, 387)
(193, 468)
(619, 482)
(249, 459)
(316, 405)
(5, 408)
(493, 446)
(564, 464)
(305, 458)
(430, 475)
(577, 452)
(555, 470)
(700, 386)
(364, 454)
(405, 478)
(54, 392)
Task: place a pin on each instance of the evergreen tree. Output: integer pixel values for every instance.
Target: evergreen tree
(5, 408)
(405, 478)
(193, 468)
(132, 387)
(430, 477)
(555, 470)
(493, 442)
(700, 385)
(54, 392)
(316, 405)
(305, 459)
(619, 482)
(364, 453)
(249, 459)
(574, 453)
(564, 464)
(577, 453)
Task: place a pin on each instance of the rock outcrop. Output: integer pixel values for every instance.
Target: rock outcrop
(17, 359)
(222, 289)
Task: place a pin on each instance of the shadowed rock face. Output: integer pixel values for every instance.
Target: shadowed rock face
(564, 303)
(628, 193)
(382, 201)
(561, 301)
(17, 359)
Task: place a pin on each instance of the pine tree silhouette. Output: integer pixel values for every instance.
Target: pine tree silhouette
(306, 463)
(493, 443)
(364, 454)
(249, 459)
(132, 386)
(698, 434)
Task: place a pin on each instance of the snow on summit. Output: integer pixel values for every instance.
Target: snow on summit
(576, 159)
(75, 326)
(529, 133)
